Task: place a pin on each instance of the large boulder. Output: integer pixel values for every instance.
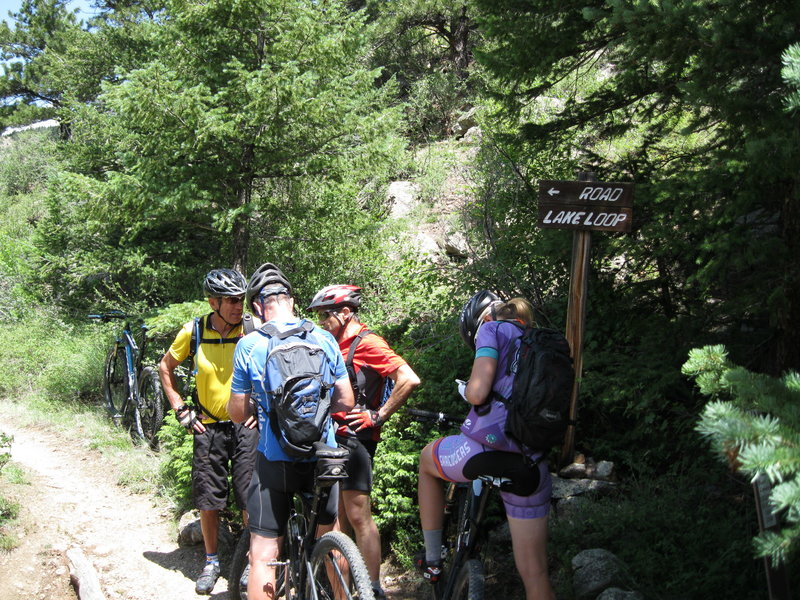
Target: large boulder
(594, 571)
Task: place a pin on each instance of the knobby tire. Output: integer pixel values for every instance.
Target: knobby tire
(115, 382)
(338, 570)
(239, 561)
(470, 582)
(151, 412)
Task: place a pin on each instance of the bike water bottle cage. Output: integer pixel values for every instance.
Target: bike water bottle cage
(331, 464)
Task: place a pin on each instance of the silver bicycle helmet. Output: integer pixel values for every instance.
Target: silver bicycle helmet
(267, 276)
(224, 282)
(473, 313)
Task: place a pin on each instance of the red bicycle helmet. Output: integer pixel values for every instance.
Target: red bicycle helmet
(336, 296)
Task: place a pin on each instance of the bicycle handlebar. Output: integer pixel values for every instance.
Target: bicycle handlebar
(438, 417)
(105, 317)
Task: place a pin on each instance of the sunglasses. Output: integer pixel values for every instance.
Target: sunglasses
(233, 300)
(326, 314)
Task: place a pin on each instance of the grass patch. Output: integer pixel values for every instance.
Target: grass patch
(15, 474)
(88, 427)
(9, 511)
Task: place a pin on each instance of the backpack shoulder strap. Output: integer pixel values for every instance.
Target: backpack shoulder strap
(348, 363)
(354, 345)
(514, 356)
(272, 330)
(194, 342)
(248, 325)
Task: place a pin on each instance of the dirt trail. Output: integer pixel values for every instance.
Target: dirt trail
(73, 501)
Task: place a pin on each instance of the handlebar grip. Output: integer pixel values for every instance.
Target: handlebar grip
(117, 314)
(439, 417)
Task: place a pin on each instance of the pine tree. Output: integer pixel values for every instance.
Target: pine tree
(753, 423)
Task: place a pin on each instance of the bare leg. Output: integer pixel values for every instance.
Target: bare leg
(529, 542)
(430, 491)
(263, 551)
(209, 525)
(358, 511)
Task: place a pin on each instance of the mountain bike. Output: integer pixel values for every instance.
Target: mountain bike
(132, 392)
(464, 528)
(310, 568)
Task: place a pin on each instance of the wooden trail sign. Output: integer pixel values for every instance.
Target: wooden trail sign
(587, 205)
(584, 206)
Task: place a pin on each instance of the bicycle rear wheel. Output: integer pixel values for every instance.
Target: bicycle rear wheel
(470, 582)
(151, 409)
(115, 382)
(338, 570)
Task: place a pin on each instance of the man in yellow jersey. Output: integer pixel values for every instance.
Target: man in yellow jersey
(218, 442)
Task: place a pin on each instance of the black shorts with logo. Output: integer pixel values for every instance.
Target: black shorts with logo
(270, 496)
(222, 447)
(359, 464)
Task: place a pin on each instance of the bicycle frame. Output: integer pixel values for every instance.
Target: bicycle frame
(133, 356)
(134, 352)
(466, 544)
(301, 535)
(326, 568)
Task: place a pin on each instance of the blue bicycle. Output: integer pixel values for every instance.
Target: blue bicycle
(132, 392)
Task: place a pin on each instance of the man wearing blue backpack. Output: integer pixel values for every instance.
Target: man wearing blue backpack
(262, 385)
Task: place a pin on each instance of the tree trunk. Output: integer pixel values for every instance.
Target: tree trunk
(787, 350)
(241, 230)
(460, 47)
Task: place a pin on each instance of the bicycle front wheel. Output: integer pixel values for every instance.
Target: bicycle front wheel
(338, 570)
(470, 582)
(237, 586)
(151, 406)
(115, 382)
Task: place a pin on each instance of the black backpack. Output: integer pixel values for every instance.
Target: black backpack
(367, 380)
(538, 407)
(300, 377)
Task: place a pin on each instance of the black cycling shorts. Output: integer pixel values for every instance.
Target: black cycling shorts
(220, 445)
(269, 498)
(359, 463)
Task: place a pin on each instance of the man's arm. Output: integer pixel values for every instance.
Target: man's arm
(239, 408)
(342, 399)
(405, 382)
(169, 383)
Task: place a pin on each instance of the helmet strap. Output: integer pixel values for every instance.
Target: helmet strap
(343, 323)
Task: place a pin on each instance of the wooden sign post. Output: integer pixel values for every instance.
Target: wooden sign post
(584, 206)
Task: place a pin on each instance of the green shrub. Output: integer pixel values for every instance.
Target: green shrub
(681, 535)
(175, 472)
(67, 367)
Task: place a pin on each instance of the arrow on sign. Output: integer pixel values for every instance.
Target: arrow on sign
(553, 191)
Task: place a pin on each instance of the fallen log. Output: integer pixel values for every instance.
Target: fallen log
(83, 576)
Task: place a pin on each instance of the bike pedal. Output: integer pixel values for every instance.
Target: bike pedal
(277, 563)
